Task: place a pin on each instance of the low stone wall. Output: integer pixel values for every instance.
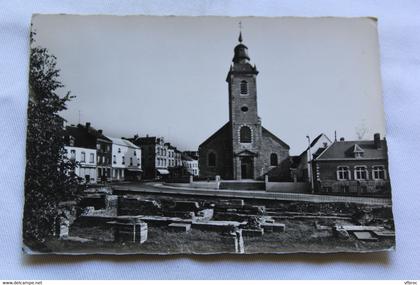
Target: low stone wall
(196, 185)
(205, 184)
(287, 187)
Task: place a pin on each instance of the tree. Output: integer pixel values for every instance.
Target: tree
(361, 130)
(49, 176)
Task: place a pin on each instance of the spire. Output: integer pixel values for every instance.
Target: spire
(241, 51)
(240, 32)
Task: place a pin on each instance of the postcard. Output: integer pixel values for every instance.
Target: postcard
(205, 135)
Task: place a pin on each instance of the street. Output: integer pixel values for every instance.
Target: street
(156, 187)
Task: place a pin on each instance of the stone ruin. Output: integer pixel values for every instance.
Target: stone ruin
(128, 218)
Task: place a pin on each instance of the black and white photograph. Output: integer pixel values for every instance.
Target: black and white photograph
(205, 135)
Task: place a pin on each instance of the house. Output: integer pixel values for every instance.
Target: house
(243, 148)
(358, 168)
(85, 136)
(190, 164)
(178, 158)
(154, 159)
(86, 158)
(302, 164)
(126, 160)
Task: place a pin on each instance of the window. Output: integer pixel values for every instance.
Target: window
(131, 161)
(92, 158)
(211, 159)
(358, 154)
(273, 159)
(82, 156)
(244, 109)
(360, 173)
(378, 172)
(245, 135)
(119, 150)
(108, 148)
(72, 154)
(123, 159)
(114, 158)
(98, 146)
(343, 173)
(244, 87)
(135, 153)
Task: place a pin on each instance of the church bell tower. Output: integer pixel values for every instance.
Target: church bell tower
(243, 114)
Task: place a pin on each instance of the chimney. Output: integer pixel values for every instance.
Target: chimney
(377, 140)
(87, 125)
(341, 139)
(100, 132)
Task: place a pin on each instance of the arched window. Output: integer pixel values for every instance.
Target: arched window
(273, 159)
(211, 159)
(245, 135)
(244, 87)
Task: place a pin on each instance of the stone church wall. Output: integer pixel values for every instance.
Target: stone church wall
(268, 147)
(221, 145)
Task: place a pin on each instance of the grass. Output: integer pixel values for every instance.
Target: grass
(300, 235)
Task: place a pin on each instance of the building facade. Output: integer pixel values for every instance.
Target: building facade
(86, 158)
(154, 159)
(303, 171)
(85, 136)
(243, 148)
(190, 164)
(358, 168)
(126, 160)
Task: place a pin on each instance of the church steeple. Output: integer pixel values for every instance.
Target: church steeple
(240, 51)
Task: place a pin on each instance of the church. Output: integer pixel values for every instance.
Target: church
(243, 148)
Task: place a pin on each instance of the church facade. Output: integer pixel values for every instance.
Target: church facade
(243, 148)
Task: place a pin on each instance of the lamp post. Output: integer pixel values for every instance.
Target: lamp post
(310, 164)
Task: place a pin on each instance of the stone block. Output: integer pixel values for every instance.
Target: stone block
(130, 231)
(273, 227)
(252, 232)
(365, 236)
(217, 226)
(204, 215)
(128, 205)
(341, 233)
(179, 227)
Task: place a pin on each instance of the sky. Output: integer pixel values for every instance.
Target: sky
(165, 76)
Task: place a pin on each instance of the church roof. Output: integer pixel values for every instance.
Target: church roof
(215, 134)
(267, 133)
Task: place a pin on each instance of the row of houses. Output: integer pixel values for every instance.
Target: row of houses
(103, 158)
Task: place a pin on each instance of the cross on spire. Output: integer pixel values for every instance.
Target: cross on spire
(240, 31)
